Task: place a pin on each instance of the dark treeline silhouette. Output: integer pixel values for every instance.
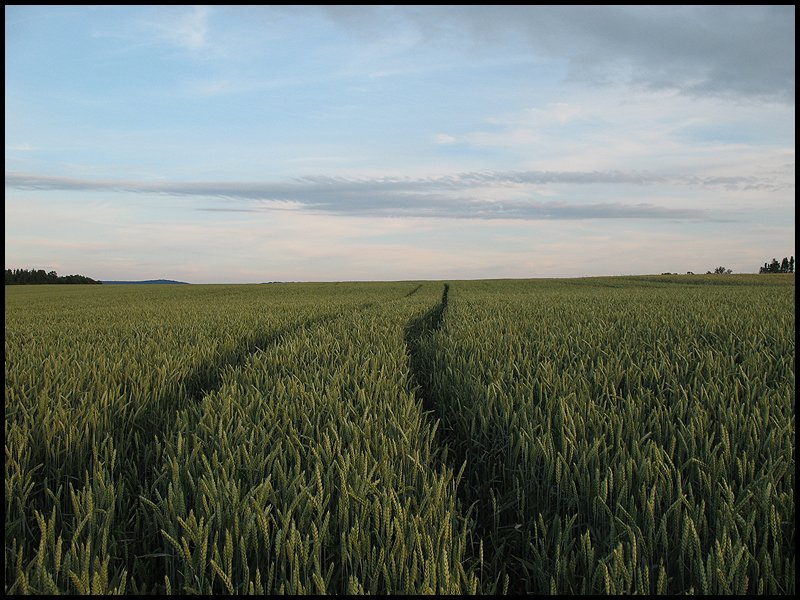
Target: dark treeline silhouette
(785, 266)
(720, 271)
(36, 276)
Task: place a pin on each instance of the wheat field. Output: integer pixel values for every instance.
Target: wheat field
(603, 435)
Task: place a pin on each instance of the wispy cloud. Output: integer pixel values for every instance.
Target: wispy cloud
(560, 112)
(313, 184)
(20, 148)
(472, 195)
(187, 29)
(444, 138)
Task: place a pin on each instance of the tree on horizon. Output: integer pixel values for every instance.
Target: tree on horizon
(784, 266)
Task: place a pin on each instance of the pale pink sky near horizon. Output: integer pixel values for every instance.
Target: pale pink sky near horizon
(233, 145)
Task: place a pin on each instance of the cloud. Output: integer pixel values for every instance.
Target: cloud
(471, 195)
(561, 112)
(20, 148)
(739, 51)
(444, 139)
(468, 180)
(306, 189)
(187, 29)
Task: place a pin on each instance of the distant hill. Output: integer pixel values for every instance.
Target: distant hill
(148, 281)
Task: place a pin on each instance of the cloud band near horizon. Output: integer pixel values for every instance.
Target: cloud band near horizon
(460, 195)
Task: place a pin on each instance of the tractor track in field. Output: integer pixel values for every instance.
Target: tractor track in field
(414, 291)
(416, 334)
(205, 379)
(435, 400)
(419, 347)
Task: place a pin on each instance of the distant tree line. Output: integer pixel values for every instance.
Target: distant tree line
(37, 276)
(720, 271)
(785, 266)
(717, 271)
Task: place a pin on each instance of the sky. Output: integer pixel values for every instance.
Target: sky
(245, 144)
